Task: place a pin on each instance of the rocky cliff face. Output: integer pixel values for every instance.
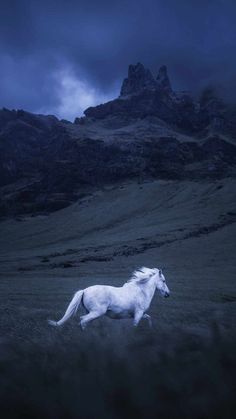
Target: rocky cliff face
(150, 131)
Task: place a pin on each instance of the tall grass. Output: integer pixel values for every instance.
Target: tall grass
(64, 373)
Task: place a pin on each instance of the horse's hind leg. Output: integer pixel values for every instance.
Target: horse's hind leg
(149, 319)
(84, 320)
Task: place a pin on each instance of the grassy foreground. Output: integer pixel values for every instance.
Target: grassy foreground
(99, 374)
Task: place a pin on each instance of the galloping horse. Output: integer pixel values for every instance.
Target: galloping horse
(132, 300)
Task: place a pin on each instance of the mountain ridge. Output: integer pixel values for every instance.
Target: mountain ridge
(142, 95)
(148, 132)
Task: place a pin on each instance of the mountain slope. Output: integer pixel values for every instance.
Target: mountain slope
(126, 220)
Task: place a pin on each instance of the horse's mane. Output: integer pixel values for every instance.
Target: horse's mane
(142, 275)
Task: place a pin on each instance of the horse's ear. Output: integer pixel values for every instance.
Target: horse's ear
(160, 272)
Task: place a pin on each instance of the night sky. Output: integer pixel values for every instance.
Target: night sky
(61, 56)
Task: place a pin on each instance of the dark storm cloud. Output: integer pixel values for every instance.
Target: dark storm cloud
(61, 56)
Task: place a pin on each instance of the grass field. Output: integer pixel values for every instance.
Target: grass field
(183, 367)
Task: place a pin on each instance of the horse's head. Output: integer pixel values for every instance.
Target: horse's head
(161, 284)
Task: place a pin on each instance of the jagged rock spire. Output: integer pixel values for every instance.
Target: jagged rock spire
(163, 80)
(138, 78)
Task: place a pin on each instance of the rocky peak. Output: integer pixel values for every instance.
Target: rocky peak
(163, 80)
(139, 78)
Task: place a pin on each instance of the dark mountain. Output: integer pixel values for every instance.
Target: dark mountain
(150, 131)
(142, 95)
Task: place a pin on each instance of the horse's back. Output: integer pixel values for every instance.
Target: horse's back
(97, 296)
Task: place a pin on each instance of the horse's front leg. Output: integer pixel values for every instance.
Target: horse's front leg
(137, 317)
(146, 316)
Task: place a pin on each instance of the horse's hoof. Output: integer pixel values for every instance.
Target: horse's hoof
(83, 326)
(52, 323)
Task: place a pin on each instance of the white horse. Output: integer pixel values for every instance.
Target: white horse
(132, 300)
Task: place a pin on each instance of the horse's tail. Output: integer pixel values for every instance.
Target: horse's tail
(71, 310)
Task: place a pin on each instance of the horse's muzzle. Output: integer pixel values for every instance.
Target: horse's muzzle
(167, 294)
